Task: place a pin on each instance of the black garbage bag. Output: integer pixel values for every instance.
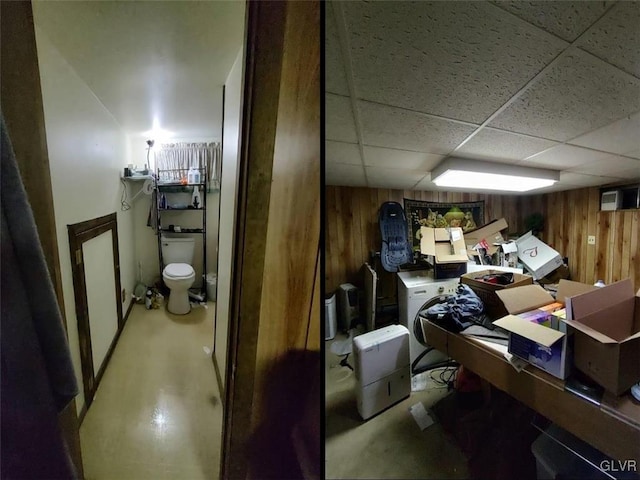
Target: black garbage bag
(458, 311)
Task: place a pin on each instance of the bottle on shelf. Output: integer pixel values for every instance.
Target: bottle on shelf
(195, 198)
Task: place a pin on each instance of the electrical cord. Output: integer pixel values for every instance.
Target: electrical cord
(124, 205)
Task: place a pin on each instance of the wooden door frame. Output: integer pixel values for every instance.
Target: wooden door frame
(79, 233)
(24, 117)
(268, 27)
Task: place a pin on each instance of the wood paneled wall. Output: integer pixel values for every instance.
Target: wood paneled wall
(352, 231)
(572, 216)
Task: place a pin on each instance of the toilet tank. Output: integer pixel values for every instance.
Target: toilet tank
(177, 250)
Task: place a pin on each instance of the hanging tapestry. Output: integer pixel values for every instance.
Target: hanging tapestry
(466, 215)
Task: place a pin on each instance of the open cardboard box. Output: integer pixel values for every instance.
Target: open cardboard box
(448, 247)
(607, 335)
(490, 233)
(493, 306)
(541, 346)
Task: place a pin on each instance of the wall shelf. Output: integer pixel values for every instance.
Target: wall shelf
(169, 188)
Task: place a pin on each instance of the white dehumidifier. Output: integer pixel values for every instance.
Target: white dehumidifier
(382, 369)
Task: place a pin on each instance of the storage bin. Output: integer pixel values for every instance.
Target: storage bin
(212, 284)
(559, 454)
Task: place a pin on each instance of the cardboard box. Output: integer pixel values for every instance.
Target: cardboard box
(493, 306)
(447, 246)
(538, 257)
(541, 346)
(606, 323)
(489, 232)
(543, 315)
(508, 253)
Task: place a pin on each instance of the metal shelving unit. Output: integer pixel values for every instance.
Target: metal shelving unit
(170, 182)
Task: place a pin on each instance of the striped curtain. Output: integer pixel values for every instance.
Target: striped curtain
(182, 156)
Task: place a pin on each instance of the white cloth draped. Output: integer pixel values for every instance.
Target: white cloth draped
(182, 156)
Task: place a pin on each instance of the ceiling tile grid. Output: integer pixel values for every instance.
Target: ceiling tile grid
(565, 156)
(611, 166)
(461, 60)
(616, 38)
(344, 175)
(579, 180)
(339, 121)
(492, 144)
(620, 137)
(496, 81)
(401, 159)
(567, 20)
(335, 76)
(385, 126)
(393, 178)
(577, 95)
(341, 152)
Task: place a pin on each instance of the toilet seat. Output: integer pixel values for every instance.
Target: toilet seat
(177, 271)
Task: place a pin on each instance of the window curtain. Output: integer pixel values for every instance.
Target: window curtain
(182, 156)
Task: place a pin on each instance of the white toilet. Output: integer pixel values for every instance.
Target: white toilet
(178, 275)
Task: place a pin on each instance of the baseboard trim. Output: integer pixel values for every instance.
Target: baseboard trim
(218, 377)
(107, 359)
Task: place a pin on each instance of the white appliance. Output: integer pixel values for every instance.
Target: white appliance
(382, 369)
(415, 289)
(348, 305)
(611, 200)
(330, 320)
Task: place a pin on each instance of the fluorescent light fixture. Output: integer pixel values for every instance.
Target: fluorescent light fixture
(480, 175)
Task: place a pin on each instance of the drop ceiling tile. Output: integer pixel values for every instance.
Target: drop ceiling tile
(384, 126)
(379, 177)
(577, 95)
(426, 185)
(340, 152)
(634, 154)
(339, 122)
(567, 20)
(402, 159)
(582, 180)
(610, 166)
(334, 73)
(460, 60)
(491, 144)
(620, 137)
(564, 157)
(616, 38)
(344, 175)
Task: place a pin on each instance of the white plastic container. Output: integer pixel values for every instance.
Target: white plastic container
(212, 283)
(330, 317)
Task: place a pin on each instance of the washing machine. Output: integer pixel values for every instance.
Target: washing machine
(415, 289)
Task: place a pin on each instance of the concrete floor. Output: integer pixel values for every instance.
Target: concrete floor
(389, 445)
(157, 411)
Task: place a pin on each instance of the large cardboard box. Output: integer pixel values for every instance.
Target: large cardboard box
(541, 346)
(447, 246)
(607, 335)
(493, 306)
(538, 257)
(490, 232)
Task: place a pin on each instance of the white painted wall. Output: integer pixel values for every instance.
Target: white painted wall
(101, 296)
(146, 241)
(228, 192)
(87, 153)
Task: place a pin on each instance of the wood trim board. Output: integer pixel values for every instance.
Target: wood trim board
(613, 433)
(79, 233)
